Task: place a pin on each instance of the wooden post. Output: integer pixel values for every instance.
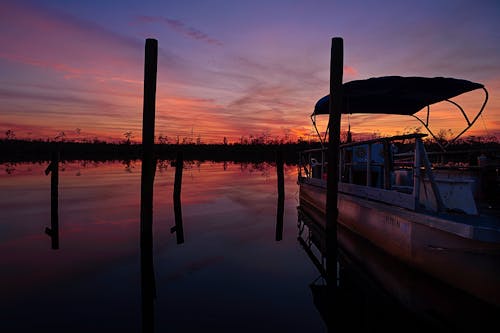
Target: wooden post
(148, 114)
(281, 195)
(332, 213)
(147, 180)
(178, 228)
(53, 169)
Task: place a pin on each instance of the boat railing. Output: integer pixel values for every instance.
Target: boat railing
(395, 170)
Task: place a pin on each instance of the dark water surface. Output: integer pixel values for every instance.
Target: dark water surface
(230, 274)
(238, 269)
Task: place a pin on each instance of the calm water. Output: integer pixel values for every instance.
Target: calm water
(232, 273)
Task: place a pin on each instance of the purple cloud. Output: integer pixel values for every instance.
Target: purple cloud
(181, 28)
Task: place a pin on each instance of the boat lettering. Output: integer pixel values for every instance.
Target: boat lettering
(392, 220)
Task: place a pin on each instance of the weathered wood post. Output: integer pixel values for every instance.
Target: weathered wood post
(281, 195)
(149, 104)
(53, 169)
(147, 179)
(178, 228)
(336, 71)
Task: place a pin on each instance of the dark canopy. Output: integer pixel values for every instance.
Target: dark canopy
(396, 94)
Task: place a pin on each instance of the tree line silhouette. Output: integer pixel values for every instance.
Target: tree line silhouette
(37, 150)
(247, 149)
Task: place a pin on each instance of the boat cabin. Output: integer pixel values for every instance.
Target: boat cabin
(394, 170)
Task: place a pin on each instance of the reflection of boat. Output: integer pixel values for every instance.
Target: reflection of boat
(388, 193)
(372, 284)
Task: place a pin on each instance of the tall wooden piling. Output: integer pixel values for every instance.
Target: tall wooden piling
(332, 213)
(149, 104)
(147, 179)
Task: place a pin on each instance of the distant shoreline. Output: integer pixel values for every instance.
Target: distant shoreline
(35, 151)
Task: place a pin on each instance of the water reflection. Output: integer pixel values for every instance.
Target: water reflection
(53, 231)
(377, 292)
(230, 276)
(281, 196)
(148, 281)
(178, 228)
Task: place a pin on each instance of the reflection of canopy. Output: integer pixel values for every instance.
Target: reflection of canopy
(396, 94)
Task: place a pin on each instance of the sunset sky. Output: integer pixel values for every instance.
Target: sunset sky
(231, 68)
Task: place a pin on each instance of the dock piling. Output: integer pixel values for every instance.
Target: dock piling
(336, 73)
(147, 180)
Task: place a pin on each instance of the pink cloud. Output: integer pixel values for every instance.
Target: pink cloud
(350, 71)
(42, 38)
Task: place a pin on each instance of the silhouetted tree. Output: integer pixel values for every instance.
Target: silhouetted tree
(162, 139)
(128, 135)
(78, 131)
(60, 136)
(443, 135)
(10, 135)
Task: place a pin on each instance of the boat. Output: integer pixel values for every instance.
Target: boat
(391, 193)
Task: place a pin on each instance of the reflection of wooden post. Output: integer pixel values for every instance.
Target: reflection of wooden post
(53, 231)
(336, 69)
(178, 228)
(281, 195)
(147, 181)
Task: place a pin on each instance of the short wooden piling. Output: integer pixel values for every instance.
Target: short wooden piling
(336, 71)
(178, 229)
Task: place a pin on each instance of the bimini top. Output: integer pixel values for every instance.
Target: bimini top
(396, 94)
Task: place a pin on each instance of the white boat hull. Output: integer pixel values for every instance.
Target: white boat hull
(447, 250)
